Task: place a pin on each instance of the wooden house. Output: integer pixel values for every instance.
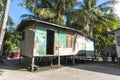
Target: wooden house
(44, 39)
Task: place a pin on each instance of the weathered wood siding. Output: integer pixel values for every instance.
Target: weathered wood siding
(89, 48)
(70, 40)
(67, 41)
(28, 43)
(40, 41)
(60, 42)
(117, 37)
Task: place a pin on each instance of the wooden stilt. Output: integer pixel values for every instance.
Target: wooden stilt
(58, 52)
(19, 60)
(66, 59)
(59, 61)
(25, 61)
(73, 60)
(32, 66)
(51, 61)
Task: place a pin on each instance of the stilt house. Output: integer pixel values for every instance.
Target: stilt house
(44, 39)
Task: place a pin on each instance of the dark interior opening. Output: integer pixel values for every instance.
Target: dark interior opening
(50, 42)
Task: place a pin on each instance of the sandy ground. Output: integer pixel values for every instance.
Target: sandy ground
(84, 71)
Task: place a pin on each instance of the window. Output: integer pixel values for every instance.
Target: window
(69, 41)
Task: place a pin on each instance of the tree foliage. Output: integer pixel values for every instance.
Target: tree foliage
(49, 10)
(11, 41)
(96, 20)
(10, 21)
(12, 37)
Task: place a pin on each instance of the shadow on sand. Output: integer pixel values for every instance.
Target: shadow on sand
(100, 67)
(10, 64)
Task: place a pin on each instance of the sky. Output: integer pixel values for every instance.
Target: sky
(117, 8)
(16, 10)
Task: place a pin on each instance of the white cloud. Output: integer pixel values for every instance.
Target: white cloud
(117, 8)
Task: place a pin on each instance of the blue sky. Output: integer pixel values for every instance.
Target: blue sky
(16, 10)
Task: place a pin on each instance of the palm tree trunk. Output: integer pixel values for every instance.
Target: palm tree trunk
(5, 18)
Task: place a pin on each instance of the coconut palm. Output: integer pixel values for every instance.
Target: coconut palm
(49, 10)
(91, 15)
(95, 20)
(4, 22)
(1, 10)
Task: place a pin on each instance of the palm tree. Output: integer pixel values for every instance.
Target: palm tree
(49, 10)
(1, 10)
(5, 17)
(95, 20)
(10, 20)
(91, 15)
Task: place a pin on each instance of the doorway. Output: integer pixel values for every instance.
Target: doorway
(50, 42)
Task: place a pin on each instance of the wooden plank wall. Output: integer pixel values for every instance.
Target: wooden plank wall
(70, 39)
(28, 43)
(40, 41)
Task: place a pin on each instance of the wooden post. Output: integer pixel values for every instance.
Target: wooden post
(73, 60)
(51, 61)
(59, 61)
(66, 59)
(19, 59)
(4, 22)
(58, 52)
(32, 66)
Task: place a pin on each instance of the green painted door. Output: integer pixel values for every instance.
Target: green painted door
(40, 36)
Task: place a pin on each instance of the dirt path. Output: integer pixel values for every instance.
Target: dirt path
(88, 71)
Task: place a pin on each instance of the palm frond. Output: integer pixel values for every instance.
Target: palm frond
(10, 21)
(29, 16)
(44, 13)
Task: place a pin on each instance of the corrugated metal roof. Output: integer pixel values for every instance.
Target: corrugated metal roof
(25, 22)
